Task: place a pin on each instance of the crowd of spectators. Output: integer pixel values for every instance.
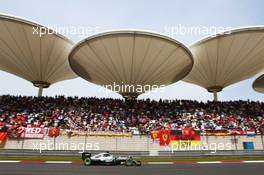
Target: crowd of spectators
(139, 116)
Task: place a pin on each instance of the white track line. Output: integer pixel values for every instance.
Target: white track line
(208, 162)
(160, 163)
(10, 161)
(58, 162)
(253, 161)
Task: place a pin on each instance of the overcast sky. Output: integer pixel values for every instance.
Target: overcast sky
(158, 16)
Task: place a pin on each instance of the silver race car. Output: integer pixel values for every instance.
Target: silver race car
(108, 159)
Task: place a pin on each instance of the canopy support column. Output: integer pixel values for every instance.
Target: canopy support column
(40, 85)
(215, 90)
(215, 96)
(129, 96)
(40, 91)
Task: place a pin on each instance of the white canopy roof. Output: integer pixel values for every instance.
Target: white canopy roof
(227, 58)
(258, 84)
(131, 58)
(42, 60)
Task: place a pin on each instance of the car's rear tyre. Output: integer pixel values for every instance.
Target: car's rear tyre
(129, 163)
(87, 161)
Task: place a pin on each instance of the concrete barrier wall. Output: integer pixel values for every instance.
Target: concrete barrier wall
(134, 143)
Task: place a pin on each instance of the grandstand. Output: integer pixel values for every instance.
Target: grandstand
(138, 116)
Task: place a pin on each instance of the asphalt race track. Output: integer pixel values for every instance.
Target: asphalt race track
(174, 169)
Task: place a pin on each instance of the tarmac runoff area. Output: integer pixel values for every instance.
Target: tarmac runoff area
(27, 167)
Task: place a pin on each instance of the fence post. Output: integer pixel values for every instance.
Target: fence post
(22, 146)
(116, 143)
(262, 141)
(235, 140)
(54, 143)
(147, 143)
(85, 140)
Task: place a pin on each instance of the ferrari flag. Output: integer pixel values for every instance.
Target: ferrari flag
(164, 137)
(54, 132)
(154, 135)
(3, 135)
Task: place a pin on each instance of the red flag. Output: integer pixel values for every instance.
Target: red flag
(54, 132)
(154, 135)
(197, 137)
(3, 137)
(164, 137)
(184, 134)
(173, 137)
(188, 132)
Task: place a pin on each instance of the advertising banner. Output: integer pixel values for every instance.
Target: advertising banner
(70, 133)
(216, 133)
(33, 133)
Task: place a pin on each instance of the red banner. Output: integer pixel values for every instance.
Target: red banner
(185, 134)
(236, 132)
(33, 133)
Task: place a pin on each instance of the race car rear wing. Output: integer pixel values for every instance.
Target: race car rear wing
(86, 155)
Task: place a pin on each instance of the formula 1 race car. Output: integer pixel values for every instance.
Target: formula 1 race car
(108, 159)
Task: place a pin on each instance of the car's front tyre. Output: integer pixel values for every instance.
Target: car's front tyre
(87, 161)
